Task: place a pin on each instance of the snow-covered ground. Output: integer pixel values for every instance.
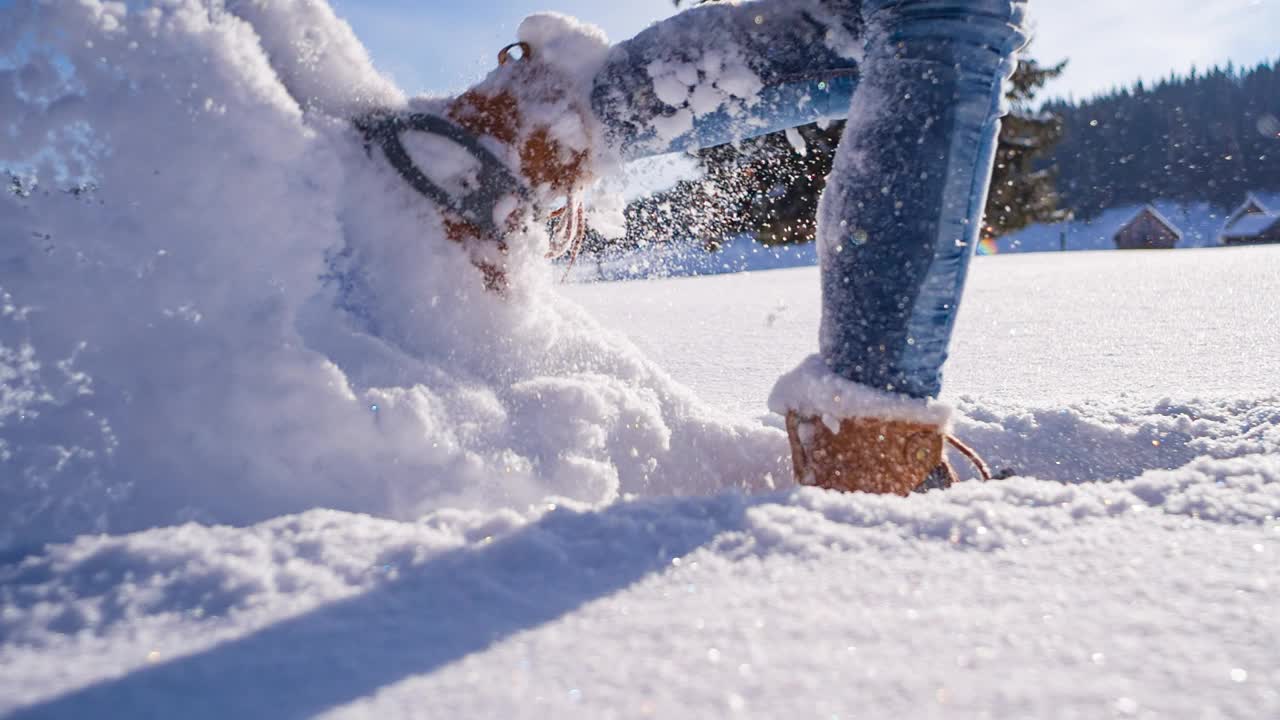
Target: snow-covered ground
(1149, 593)
(1037, 328)
(434, 503)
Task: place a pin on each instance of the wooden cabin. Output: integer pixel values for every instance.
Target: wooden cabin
(1148, 230)
(1251, 224)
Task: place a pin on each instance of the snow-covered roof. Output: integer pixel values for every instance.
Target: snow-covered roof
(1151, 210)
(1251, 204)
(1251, 225)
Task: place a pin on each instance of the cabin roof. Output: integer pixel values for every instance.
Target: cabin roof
(1155, 214)
(1251, 225)
(1251, 204)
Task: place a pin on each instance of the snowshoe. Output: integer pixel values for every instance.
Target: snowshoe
(533, 143)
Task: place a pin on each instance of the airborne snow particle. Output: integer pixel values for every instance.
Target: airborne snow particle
(1126, 706)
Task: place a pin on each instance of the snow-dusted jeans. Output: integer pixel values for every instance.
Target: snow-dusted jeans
(920, 82)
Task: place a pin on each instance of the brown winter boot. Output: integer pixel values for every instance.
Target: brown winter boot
(875, 455)
(866, 455)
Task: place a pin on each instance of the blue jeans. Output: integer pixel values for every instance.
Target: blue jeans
(920, 82)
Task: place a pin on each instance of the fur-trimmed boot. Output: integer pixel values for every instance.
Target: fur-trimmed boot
(853, 438)
(864, 454)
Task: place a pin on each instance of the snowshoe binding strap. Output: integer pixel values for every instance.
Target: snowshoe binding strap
(383, 128)
(504, 55)
(972, 455)
(944, 476)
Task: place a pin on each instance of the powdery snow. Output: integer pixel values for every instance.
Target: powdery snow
(812, 389)
(1146, 596)
(171, 357)
(251, 315)
(715, 81)
(1024, 598)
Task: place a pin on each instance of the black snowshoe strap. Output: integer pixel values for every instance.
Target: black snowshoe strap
(944, 476)
(477, 206)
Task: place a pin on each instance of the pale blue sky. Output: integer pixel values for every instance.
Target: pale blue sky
(444, 45)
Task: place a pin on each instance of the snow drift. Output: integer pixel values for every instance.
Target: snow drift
(171, 343)
(1011, 596)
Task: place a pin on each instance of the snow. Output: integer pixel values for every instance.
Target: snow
(683, 258)
(572, 503)
(573, 47)
(812, 389)
(1026, 598)
(705, 85)
(1039, 329)
(1251, 225)
(1200, 224)
(1147, 595)
(252, 316)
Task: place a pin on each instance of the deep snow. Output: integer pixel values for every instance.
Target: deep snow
(170, 352)
(251, 315)
(1137, 578)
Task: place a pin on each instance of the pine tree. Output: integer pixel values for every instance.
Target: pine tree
(1210, 137)
(1023, 191)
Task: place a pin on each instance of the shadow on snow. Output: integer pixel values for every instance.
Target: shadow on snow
(425, 617)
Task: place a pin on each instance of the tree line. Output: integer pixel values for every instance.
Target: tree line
(1207, 136)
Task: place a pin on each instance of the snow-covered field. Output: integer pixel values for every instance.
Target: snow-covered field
(1035, 329)
(1148, 593)
(438, 504)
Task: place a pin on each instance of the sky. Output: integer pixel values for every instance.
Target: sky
(442, 46)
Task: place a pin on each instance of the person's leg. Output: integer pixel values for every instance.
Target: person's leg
(718, 73)
(901, 215)
(900, 218)
(899, 221)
